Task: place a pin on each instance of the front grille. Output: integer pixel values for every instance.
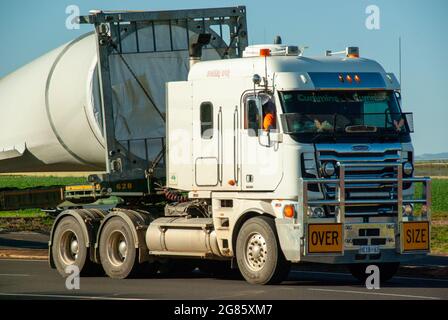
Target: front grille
(346, 154)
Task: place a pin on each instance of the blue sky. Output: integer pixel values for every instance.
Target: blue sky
(31, 28)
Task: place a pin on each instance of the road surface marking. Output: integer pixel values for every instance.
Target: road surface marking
(376, 293)
(14, 275)
(65, 296)
(348, 274)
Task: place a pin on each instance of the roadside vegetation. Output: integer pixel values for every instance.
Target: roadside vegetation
(439, 241)
(24, 182)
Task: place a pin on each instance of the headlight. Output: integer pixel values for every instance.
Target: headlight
(316, 212)
(328, 169)
(408, 210)
(408, 168)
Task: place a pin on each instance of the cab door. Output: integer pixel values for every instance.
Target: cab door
(206, 145)
(215, 136)
(261, 162)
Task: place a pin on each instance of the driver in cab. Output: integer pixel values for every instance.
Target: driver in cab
(269, 117)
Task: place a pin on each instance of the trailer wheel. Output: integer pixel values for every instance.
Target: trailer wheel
(69, 248)
(118, 254)
(259, 256)
(387, 271)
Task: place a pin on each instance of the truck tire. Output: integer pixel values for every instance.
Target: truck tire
(258, 253)
(387, 271)
(69, 248)
(118, 254)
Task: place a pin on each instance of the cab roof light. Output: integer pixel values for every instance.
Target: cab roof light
(265, 52)
(352, 52)
(349, 78)
(357, 78)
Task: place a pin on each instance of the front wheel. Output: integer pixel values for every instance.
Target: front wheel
(387, 271)
(258, 253)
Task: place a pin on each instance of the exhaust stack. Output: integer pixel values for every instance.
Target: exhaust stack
(197, 42)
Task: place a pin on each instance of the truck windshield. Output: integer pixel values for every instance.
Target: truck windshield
(343, 112)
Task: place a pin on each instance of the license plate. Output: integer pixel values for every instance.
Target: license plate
(369, 250)
(325, 238)
(415, 236)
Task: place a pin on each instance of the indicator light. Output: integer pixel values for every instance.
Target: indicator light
(288, 211)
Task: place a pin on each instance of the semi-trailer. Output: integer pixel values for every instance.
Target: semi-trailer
(218, 153)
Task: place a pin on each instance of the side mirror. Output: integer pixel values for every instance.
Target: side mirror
(267, 137)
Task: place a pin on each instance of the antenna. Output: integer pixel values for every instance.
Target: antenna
(399, 59)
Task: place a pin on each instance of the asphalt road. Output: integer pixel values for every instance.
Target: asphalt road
(27, 279)
(24, 240)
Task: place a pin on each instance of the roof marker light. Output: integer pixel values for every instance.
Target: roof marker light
(349, 78)
(265, 52)
(352, 52)
(357, 79)
(303, 78)
(341, 78)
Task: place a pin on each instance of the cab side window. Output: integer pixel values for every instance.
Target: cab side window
(252, 119)
(269, 113)
(206, 117)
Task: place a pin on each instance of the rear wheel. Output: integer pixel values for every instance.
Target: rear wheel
(70, 248)
(387, 271)
(118, 254)
(259, 256)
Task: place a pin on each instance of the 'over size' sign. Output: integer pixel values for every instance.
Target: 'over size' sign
(415, 236)
(325, 238)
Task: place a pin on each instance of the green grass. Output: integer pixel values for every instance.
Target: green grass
(26, 213)
(439, 239)
(439, 193)
(23, 182)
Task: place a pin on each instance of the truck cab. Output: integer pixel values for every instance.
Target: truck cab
(334, 170)
(268, 157)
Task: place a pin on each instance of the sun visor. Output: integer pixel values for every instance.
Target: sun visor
(347, 81)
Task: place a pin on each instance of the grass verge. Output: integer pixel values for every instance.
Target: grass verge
(23, 182)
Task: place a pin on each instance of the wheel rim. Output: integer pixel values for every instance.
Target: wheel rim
(256, 251)
(117, 248)
(69, 247)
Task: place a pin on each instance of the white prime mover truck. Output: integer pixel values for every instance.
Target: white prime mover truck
(219, 153)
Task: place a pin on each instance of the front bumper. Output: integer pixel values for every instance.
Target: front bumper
(293, 240)
(340, 239)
